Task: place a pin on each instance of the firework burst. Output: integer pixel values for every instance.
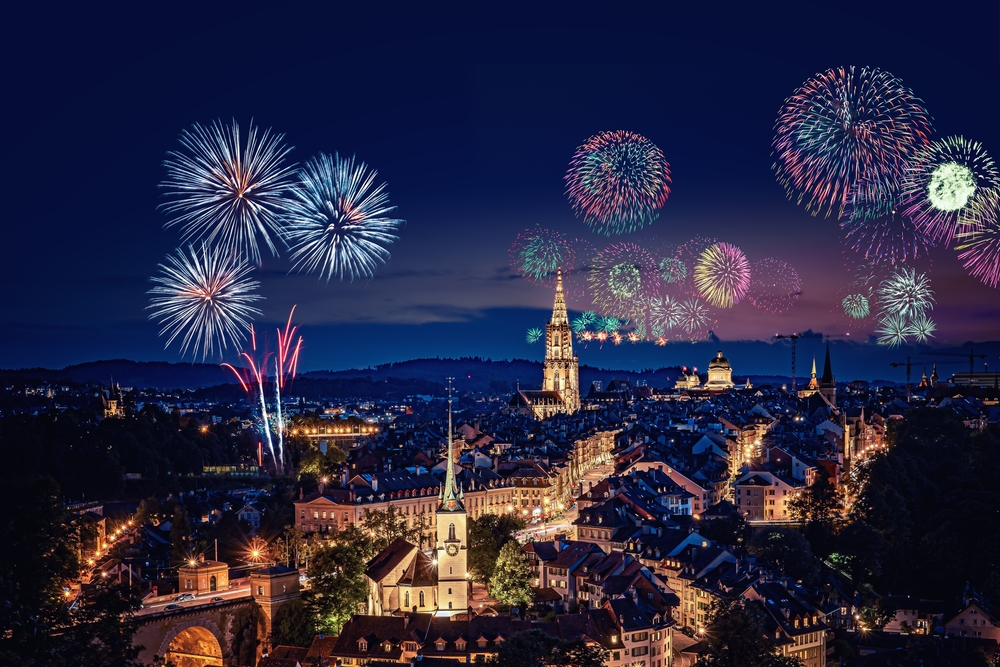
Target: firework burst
(609, 325)
(663, 314)
(688, 255)
(921, 328)
(623, 279)
(228, 191)
(722, 275)
(341, 226)
(978, 237)
(941, 180)
(205, 299)
(840, 125)
(538, 254)
(585, 320)
(905, 293)
(856, 306)
(875, 227)
(693, 317)
(618, 181)
(892, 330)
(774, 285)
(534, 335)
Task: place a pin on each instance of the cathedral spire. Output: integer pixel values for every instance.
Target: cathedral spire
(451, 493)
(559, 315)
(827, 368)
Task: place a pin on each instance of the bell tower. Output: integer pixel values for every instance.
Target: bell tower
(452, 552)
(561, 370)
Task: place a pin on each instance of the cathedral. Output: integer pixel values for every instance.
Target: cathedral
(560, 392)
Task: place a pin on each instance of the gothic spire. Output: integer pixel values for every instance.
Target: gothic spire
(827, 368)
(559, 315)
(451, 494)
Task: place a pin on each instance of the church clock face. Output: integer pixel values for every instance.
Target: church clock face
(452, 549)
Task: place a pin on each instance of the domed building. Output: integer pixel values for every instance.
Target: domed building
(720, 374)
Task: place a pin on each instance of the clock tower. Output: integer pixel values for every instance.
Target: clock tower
(452, 538)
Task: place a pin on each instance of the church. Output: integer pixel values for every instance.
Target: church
(560, 392)
(402, 578)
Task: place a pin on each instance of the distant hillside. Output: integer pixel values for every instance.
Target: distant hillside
(158, 374)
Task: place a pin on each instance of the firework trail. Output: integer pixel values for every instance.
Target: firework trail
(875, 227)
(905, 293)
(227, 191)
(341, 225)
(618, 181)
(941, 180)
(843, 124)
(623, 279)
(534, 335)
(892, 330)
(978, 237)
(205, 299)
(774, 285)
(254, 376)
(722, 275)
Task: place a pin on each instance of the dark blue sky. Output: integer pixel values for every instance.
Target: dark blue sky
(471, 117)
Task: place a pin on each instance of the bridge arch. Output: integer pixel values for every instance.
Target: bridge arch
(196, 643)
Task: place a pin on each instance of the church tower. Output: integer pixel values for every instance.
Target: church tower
(828, 383)
(452, 538)
(561, 368)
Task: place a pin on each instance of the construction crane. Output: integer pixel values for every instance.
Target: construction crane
(909, 367)
(794, 338)
(971, 356)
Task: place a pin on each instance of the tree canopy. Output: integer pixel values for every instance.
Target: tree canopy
(512, 576)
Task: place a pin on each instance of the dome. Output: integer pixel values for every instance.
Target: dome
(719, 362)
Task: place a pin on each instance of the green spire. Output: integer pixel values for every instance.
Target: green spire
(451, 494)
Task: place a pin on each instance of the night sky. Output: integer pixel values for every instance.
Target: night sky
(471, 118)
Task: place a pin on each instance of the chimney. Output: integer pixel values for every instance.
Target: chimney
(201, 558)
(375, 483)
(301, 493)
(558, 542)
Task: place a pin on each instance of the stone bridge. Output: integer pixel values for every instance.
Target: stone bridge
(215, 634)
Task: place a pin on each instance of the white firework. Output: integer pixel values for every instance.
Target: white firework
(664, 312)
(341, 226)
(922, 328)
(204, 299)
(227, 191)
(893, 330)
(905, 293)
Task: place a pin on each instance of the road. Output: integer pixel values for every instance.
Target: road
(564, 524)
(205, 598)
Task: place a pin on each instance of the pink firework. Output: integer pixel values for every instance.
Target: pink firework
(774, 285)
(618, 181)
(978, 237)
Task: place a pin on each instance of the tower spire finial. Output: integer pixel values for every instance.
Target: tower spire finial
(451, 494)
(559, 315)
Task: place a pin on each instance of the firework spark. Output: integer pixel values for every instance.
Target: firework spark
(722, 275)
(688, 255)
(227, 191)
(623, 279)
(534, 335)
(941, 180)
(892, 330)
(978, 237)
(538, 254)
(585, 320)
(905, 293)
(618, 181)
(774, 285)
(609, 325)
(840, 125)
(672, 270)
(341, 226)
(205, 299)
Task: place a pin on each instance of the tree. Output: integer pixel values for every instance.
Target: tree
(101, 628)
(788, 549)
(180, 536)
(817, 507)
(385, 526)
(149, 509)
(487, 535)
(293, 625)
(735, 637)
(338, 587)
(511, 580)
(535, 648)
(732, 530)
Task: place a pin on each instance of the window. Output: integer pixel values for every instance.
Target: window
(482, 642)
(451, 531)
(362, 645)
(302, 515)
(315, 514)
(460, 645)
(407, 598)
(421, 598)
(260, 590)
(449, 591)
